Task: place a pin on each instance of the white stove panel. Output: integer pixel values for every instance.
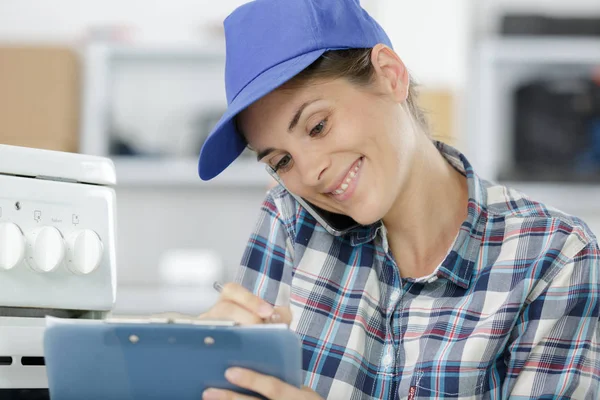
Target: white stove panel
(56, 244)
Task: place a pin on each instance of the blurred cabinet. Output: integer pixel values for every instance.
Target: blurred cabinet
(150, 108)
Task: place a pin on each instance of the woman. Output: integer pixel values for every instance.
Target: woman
(451, 286)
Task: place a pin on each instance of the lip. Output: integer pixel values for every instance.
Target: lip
(341, 178)
(352, 185)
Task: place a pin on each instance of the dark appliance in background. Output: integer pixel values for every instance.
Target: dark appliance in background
(557, 131)
(545, 25)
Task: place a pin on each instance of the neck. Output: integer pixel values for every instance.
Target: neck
(427, 216)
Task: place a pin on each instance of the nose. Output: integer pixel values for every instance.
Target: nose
(312, 166)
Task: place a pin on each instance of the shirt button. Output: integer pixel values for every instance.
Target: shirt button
(394, 296)
(388, 359)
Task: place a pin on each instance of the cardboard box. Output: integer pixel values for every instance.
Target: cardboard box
(439, 109)
(39, 97)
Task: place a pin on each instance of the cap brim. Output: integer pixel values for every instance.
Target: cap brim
(224, 144)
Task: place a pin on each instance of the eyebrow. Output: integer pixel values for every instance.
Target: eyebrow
(263, 153)
(298, 114)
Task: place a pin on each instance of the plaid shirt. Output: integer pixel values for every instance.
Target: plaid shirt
(512, 311)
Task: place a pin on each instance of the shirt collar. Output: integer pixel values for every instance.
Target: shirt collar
(458, 265)
(364, 234)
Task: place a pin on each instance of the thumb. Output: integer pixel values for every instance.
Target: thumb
(312, 394)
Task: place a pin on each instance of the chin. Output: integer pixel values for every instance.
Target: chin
(366, 217)
(368, 209)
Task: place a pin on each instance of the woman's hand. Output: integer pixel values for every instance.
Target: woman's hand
(271, 388)
(238, 304)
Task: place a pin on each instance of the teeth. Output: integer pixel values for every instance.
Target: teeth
(351, 175)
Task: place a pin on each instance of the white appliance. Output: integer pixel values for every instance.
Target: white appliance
(57, 254)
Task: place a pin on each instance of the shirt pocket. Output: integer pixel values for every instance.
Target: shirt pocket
(449, 382)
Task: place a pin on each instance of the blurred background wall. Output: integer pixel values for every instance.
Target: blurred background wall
(141, 82)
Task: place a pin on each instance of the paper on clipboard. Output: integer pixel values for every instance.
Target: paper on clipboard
(55, 321)
(267, 326)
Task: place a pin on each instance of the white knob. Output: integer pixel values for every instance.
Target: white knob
(45, 249)
(84, 251)
(12, 245)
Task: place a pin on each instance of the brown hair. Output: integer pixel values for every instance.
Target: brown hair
(355, 66)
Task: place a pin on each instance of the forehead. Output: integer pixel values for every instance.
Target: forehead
(275, 110)
(286, 96)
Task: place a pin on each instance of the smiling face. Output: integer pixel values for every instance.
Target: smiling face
(344, 147)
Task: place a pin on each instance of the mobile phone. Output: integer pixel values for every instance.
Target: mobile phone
(336, 224)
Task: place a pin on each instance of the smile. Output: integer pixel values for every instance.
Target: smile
(352, 174)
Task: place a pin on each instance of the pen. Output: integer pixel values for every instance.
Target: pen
(218, 286)
(274, 318)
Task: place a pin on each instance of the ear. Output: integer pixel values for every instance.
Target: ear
(392, 74)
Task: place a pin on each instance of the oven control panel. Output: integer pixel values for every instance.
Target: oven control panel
(57, 244)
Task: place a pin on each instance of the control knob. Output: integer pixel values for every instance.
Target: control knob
(45, 249)
(12, 245)
(84, 251)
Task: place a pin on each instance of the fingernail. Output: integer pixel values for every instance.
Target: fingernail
(265, 310)
(275, 317)
(232, 374)
(211, 394)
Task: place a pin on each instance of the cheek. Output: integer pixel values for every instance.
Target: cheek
(397, 143)
(383, 149)
(378, 129)
(293, 184)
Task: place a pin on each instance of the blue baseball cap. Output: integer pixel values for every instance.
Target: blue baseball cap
(268, 42)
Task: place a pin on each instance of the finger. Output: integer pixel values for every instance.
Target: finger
(270, 387)
(281, 315)
(220, 394)
(238, 294)
(307, 390)
(233, 312)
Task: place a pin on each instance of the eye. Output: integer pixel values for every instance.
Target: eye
(318, 129)
(284, 163)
